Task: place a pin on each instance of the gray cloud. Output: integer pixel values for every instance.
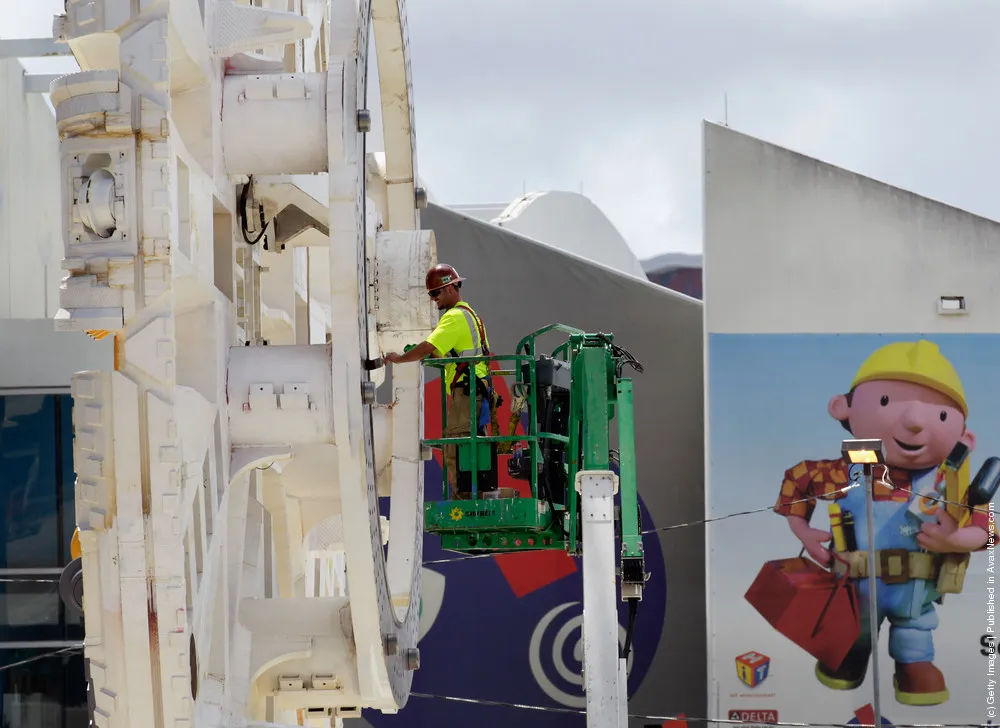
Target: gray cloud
(612, 95)
(552, 94)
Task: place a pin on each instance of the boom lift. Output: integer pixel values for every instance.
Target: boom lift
(565, 456)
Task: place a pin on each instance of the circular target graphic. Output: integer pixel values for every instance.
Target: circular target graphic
(559, 650)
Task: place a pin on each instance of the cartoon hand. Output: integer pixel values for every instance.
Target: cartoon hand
(813, 544)
(945, 537)
(812, 539)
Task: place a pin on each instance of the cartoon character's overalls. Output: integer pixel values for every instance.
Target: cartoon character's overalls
(907, 602)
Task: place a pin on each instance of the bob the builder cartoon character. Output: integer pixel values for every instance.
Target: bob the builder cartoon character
(908, 395)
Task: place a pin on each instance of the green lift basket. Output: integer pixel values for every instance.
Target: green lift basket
(571, 397)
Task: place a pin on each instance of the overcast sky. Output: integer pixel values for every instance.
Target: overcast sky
(555, 94)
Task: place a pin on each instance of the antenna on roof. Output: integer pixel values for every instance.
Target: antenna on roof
(725, 113)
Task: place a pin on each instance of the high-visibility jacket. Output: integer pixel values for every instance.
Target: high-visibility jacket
(460, 332)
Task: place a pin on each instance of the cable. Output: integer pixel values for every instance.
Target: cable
(888, 481)
(243, 215)
(748, 513)
(703, 521)
(499, 704)
(686, 719)
(676, 525)
(633, 605)
(44, 655)
(465, 558)
(622, 356)
(19, 580)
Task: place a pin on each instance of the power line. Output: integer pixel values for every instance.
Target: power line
(687, 719)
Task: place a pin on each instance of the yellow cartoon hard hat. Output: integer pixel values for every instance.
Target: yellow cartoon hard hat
(918, 362)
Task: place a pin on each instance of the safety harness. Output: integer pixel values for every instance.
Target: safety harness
(464, 372)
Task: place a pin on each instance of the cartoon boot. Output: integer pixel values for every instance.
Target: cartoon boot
(849, 675)
(919, 683)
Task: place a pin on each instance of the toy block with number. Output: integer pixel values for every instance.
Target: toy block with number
(752, 668)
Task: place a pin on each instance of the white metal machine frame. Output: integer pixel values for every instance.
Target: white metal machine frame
(236, 568)
(205, 446)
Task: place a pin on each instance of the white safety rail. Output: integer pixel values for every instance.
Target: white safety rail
(229, 468)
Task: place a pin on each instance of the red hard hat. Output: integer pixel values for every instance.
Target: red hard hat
(440, 276)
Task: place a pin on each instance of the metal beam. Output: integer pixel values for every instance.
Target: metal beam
(32, 48)
(38, 83)
(601, 655)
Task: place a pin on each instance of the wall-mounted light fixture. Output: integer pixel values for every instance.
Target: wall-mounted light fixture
(952, 305)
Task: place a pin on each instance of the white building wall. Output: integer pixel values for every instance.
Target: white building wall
(33, 355)
(796, 245)
(30, 236)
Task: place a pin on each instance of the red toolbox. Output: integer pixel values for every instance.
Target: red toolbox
(809, 605)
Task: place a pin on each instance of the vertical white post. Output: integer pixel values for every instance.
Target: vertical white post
(622, 692)
(873, 595)
(601, 661)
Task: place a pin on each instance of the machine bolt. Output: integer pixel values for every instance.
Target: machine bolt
(368, 392)
(420, 197)
(412, 657)
(364, 121)
(391, 644)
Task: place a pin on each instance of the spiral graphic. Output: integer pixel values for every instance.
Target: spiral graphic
(571, 676)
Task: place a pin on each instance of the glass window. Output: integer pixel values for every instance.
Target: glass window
(29, 508)
(37, 490)
(29, 611)
(67, 475)
(47, 691)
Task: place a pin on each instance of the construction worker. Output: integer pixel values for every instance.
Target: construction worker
(908, 395)
(459, 333)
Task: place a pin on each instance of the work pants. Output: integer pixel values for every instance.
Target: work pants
(458, 425)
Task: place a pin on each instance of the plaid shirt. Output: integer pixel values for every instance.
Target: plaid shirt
(812, 480)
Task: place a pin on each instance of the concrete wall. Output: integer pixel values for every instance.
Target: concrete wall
(33, 355)
(815, 248)
(30, 223)
(809, 270)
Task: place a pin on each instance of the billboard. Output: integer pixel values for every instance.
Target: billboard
(839, 307)
(507, 630)
(792, 641)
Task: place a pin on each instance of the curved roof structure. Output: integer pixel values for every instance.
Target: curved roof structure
(570, 222)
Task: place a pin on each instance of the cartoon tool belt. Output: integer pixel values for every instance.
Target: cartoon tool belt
(892, 566)
(946, 493)
(809, 605)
